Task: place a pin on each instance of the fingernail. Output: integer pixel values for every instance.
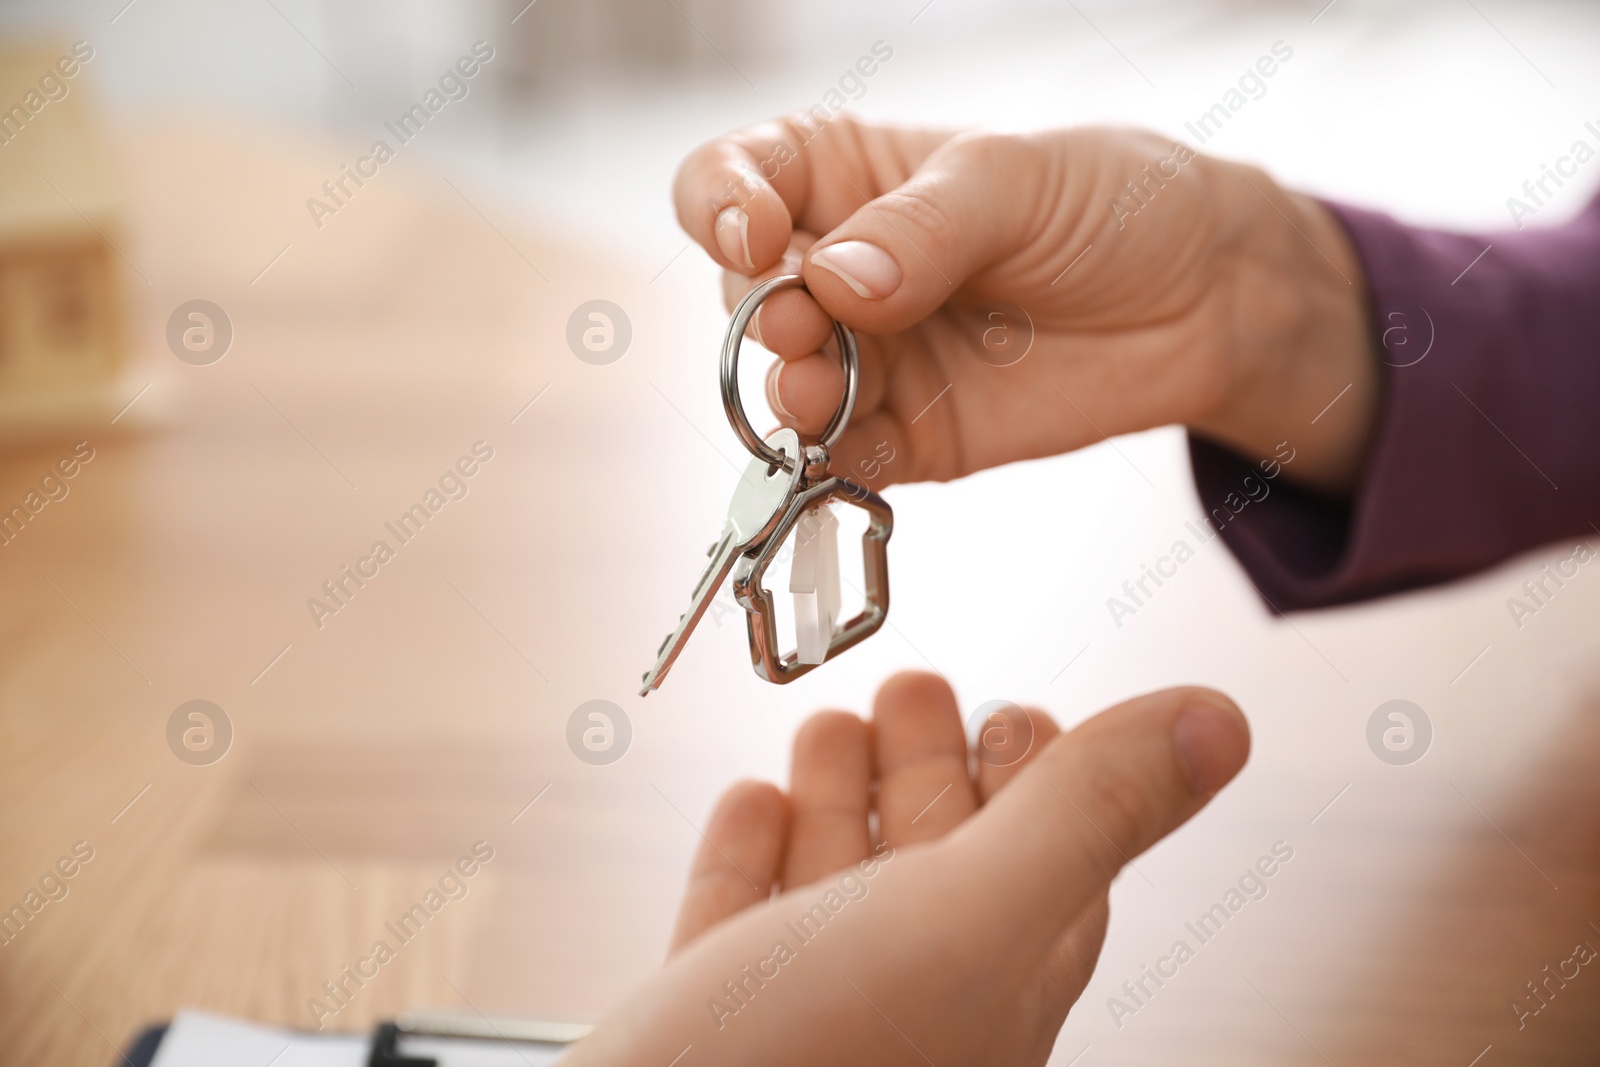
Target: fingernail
(733, 235)
(868, 270)
(1212, 741)
(772, 392)
(755, 327)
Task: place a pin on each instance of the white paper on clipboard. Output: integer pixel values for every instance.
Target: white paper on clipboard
(200, 1039)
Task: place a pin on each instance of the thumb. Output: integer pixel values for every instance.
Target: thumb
(1052, 841)
(903, 254)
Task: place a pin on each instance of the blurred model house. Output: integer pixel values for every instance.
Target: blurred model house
(61, 321)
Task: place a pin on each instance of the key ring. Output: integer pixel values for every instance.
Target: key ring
(730, 371)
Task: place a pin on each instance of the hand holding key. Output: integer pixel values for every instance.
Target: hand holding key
(1153, 285)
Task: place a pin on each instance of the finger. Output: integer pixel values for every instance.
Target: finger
(807, 397)
(903, 254)
(924, 789)
(830, 783)
(812, 386)
(1096, 798)
(728, 208)
(873, 452)
(740, 195)
(1006, 742)
(735, 285)
(737, 863)
(789, 323)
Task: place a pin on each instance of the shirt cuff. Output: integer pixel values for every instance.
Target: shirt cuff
(1489, 439)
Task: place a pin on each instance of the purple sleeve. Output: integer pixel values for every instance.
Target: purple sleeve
(1489, 441)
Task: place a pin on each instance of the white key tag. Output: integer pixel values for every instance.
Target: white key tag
(814, 581)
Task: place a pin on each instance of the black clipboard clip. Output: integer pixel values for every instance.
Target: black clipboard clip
(386, 1036)
(386, 1050)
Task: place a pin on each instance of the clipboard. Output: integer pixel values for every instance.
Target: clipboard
(415, 1039)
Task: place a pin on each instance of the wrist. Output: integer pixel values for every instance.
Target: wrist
(1304, 370)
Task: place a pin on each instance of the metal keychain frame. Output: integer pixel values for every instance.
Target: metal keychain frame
(817, 486)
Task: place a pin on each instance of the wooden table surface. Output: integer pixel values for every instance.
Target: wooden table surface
(372, 752)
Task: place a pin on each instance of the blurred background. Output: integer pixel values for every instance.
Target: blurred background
(348, 356)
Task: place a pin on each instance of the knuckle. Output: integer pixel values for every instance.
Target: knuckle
(1118, 803)
(921, 207)
(981, 188)
(1001, 154)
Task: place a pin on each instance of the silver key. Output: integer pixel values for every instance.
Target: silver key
(759, 503)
